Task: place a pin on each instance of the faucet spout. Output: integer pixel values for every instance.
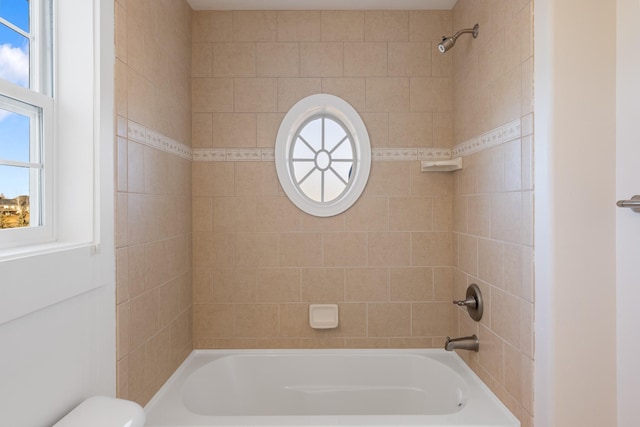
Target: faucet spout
(463, 343)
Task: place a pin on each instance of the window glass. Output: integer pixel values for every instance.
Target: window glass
(16, 12)
(14, 56)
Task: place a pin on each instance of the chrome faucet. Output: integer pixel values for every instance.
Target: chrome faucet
(464, 343)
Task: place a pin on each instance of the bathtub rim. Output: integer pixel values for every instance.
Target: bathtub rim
(191, 364)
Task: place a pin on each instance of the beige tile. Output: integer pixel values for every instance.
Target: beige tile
(213, 320)
(234, 286)
(429, 184)
(121, 32)
(409, 59)
(389, 249)
(256, 250)
(491, 262)
(527, 163)
(122, 220)
(256, 320)
(443, 284)
(367, 285)
(431, 249)
(513, 274)
(212, 95)
(213, 179)
(278, 285)
(429, 25)
(368, 343)
(311, 223)
(255, 95)
(201, 60)
(321, 59)
(299, 25)
(411, 284)
(442, 213)
(255, 25)
(506, 97)
(323, 285)
(121, 93)
(410, 214)
(203, 285)
(491, 170)
(351, 89)
(212, 26)
(513, 165)
(441, 64)
(255, 179)
(417, 342)
(368, 214)
(513, 372)
(527, 273)
(233, 59)
(345, 249)
(142, 103)
(234, 214)
(506, 317)
(411, 130)
(365, 59)
(233, 130)
(526, 328)
(430, 319)
(278, 59)
(168, 303)
(506, 217)
(387, 94)
(202, 130)
(431, 94)
(388, 320)
(122, 275)
(291, 90)
(468, 254)
(136, 271)
(277, 214)
(300, 250)
(491, 354)
(122, 378)
(143, 317)
(443, 130)
(479, 221)
(460, 213)
(122, 330)
(388, 179)
(386, 26)
(267, 128)
(378, 128)
(527, 87)
(342, 25)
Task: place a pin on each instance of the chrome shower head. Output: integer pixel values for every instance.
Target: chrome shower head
(448, 42)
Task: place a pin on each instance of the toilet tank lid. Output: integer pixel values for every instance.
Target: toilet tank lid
(103, 411)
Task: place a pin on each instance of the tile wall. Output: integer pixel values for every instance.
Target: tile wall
(493, 195)
(153, 217)
(258, 262)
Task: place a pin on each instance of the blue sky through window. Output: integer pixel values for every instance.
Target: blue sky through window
(14, 67)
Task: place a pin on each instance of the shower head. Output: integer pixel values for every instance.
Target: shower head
(448, 42)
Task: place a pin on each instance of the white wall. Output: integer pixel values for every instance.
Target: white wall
(628, 222)
(57, 305)
(575, 213)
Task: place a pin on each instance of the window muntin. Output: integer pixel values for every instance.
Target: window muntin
(323, 155)
(26, 121)
(322, 158)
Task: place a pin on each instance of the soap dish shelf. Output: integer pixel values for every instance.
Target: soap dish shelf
(441, 165)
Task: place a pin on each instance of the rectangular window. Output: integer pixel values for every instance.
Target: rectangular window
(26, 122)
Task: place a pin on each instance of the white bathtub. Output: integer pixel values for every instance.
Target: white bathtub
(325, 388)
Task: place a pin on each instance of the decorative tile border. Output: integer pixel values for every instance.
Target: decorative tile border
(497, 136)
(137, 132)
(508, 132)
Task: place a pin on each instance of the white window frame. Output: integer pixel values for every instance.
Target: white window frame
(81, 255)
(38, 95)
(342, 112)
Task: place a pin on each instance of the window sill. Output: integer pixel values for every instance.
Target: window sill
(39, 276)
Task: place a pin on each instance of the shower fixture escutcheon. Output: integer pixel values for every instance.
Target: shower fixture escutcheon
(473, 302)
(448, 42)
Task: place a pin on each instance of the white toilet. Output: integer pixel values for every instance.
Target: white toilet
(102, 411)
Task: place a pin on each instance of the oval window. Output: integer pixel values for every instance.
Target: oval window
(323, 155)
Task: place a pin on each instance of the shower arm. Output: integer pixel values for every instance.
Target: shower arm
(473, 31)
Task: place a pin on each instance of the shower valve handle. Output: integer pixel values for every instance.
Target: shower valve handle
(470, 302)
